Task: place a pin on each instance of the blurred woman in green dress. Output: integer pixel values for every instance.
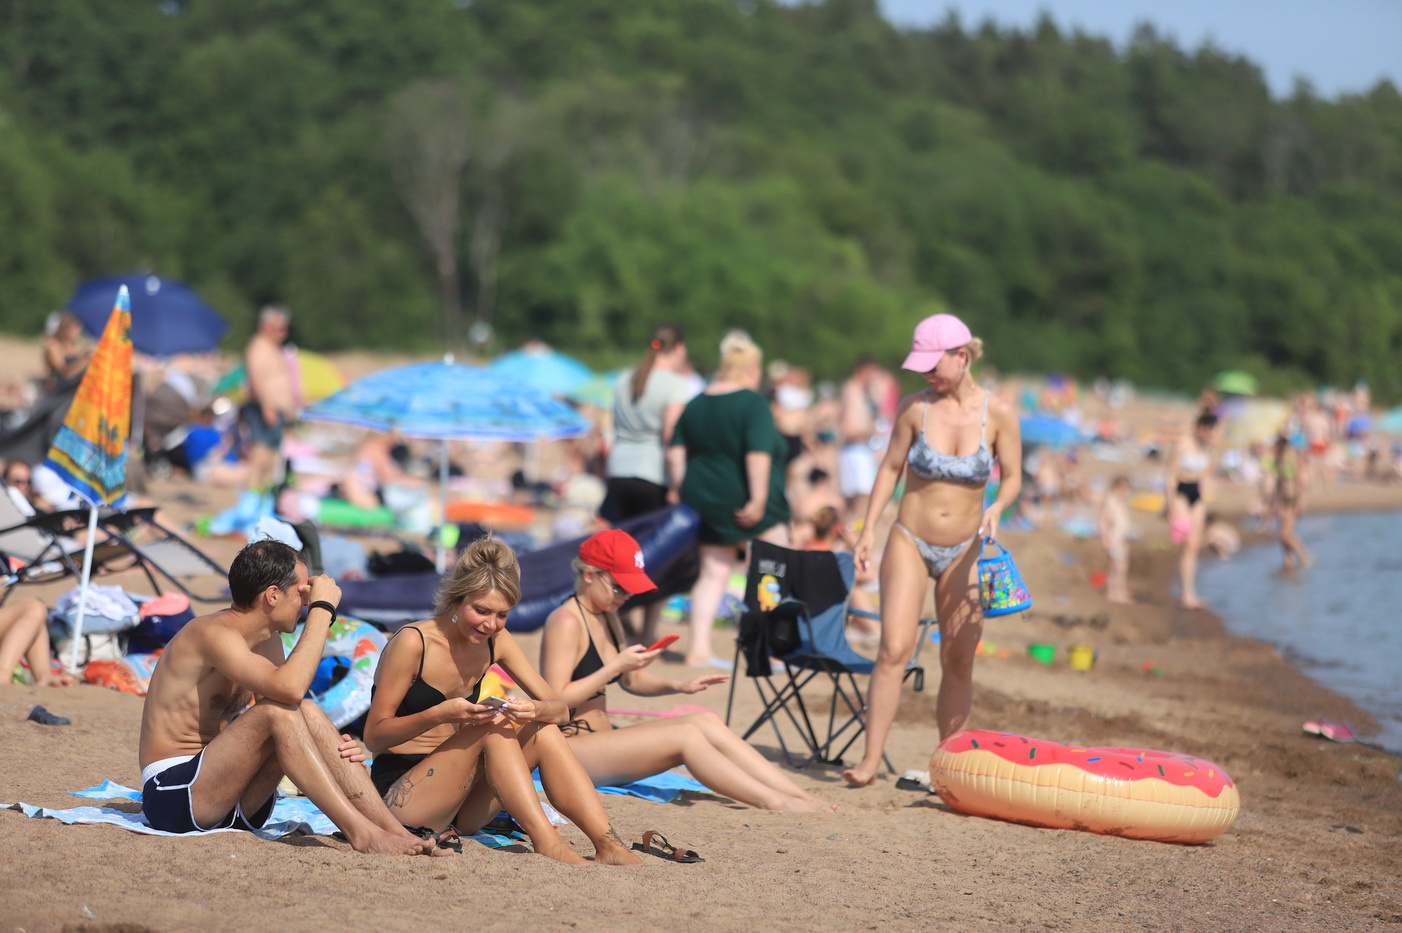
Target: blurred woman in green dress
(726, 461)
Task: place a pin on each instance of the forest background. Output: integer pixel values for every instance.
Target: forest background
(400, 173)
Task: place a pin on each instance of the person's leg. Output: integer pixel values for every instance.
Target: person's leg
(243, 763)
(717, 562)
(729, 766)
(1117, 581)
(352, 777)
(432, 793)
(508, 770)
(568, 786)
(1188, 558)
(24, 633)
(961, 627)
(903, 578)
(1294, 548)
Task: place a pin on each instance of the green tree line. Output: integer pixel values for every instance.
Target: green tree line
(397, 172)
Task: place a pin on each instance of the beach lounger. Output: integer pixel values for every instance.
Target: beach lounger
(42, 549)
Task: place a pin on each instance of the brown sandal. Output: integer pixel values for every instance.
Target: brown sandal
(654, 843)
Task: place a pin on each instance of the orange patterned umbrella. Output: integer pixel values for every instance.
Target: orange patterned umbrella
(90, 450)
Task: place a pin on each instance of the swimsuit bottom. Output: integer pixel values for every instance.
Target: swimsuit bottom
(389, 767)
(165, 799)
(937, 557)
(1190, 491)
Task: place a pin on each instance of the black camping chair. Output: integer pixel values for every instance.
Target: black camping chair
(798, 608)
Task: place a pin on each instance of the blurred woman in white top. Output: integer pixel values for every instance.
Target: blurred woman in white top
(648, 399)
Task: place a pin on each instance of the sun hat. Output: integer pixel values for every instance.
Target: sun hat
(934, 335)
(617, 552)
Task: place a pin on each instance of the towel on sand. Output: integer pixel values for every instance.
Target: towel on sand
(300, 815)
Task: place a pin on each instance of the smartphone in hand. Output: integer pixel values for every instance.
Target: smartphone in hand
(494, 702)
(664, 642)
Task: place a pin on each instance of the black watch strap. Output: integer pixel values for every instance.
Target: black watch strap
(323, 604)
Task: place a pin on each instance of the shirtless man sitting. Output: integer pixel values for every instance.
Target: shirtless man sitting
(210, 761)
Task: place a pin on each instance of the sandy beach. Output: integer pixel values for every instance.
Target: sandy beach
(1316, 844)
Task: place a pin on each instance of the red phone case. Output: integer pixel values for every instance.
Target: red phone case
(664, 641)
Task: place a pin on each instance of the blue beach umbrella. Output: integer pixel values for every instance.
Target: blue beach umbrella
(1049, 432)
(167, 317)
(447, 401)
(543, 369)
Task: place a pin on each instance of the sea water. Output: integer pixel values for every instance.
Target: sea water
(1340, 621)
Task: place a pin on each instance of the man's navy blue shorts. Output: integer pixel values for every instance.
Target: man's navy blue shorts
(165, 799)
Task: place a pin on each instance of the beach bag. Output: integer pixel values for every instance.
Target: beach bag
(107, 609)
(770, 634)
(1001, 589)
(161, 617)
(106, 646)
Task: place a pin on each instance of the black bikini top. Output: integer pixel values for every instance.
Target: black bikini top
(591, 662)
(422, 695)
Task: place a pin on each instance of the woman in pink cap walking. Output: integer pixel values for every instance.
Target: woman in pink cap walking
(583, 652)
(944, 440)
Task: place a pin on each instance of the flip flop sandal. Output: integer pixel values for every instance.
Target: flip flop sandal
(654, 843)
(442, 839)
(45, 718)
(1338, 732)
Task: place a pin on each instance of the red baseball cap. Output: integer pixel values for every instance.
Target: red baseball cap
(934, 335)
(617, 552)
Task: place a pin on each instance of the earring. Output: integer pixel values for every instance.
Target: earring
(454, 619)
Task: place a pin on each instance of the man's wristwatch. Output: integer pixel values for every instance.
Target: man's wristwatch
(323, 604)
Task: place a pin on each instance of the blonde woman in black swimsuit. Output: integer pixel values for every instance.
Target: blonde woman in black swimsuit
(444, 761)
(582, 654)
(944, 441)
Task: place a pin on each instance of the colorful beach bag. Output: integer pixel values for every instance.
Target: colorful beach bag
(1001, 589)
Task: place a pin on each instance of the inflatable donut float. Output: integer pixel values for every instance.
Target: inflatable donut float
(347, 700)
(1137, 793)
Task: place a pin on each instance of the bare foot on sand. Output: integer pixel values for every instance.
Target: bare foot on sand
(1193, 603)
(613, 853)
(379, 841)
(57, 680)
(804, 804)
(559, 850)
(858, 777)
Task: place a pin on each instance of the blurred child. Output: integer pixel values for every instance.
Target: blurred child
(1114, 535)
(822, 531)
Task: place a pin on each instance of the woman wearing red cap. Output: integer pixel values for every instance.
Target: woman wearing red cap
(582, 654)
(944, 440)
(446, 760)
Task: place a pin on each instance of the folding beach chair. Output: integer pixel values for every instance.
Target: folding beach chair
(42, 551)
(798, 609)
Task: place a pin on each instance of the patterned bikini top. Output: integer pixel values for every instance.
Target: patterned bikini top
(928, 463)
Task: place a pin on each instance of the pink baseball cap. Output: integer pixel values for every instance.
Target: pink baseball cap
(933, 336)
(616, 551)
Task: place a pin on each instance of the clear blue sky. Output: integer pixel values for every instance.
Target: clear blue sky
(1341, 46)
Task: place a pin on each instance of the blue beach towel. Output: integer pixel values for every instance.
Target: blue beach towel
(299, 815)
(290, 815)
